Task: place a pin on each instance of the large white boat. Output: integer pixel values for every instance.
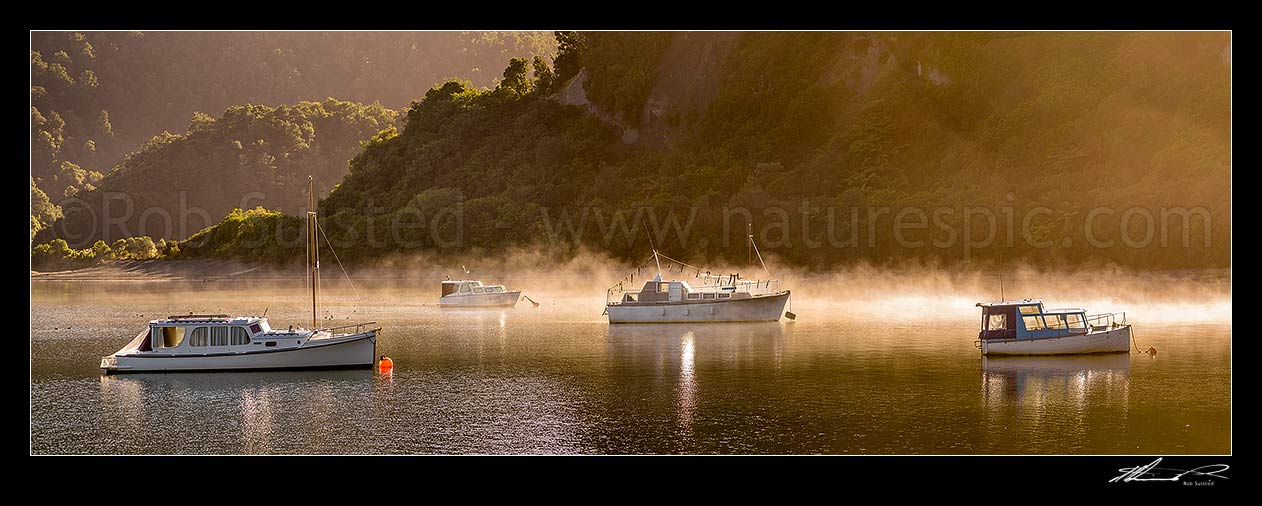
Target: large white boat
(467, 293)
(223, 342)
(1025, 327)
(718, 298)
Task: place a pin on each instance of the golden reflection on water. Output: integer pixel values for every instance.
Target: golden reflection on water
(256, 420)
(687, 382)
(1065, 388)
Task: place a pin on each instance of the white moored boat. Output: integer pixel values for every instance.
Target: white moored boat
(1024, 327)
(717, 299)
(223, 342)
(466, 293)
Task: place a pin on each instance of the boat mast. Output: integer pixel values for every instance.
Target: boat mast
(313, 255)
(749, 244)
(655, 259)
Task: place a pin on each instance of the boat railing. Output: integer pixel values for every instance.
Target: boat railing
(753, 286)
(199, 317)
(1107, 319)
(358, 327)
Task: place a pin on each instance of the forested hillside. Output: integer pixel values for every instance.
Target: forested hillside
(97, 96)
(833, 142)
(786, 124)
(252, 155)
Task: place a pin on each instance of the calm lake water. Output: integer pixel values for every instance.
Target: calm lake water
(852, 378)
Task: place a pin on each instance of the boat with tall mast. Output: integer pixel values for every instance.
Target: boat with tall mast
(213, 342)
(718, 297)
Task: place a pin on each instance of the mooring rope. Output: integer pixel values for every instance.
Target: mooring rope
(1152, 350)
(339, 261)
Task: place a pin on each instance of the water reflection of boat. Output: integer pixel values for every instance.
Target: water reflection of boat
(253, 404)
(1040, 380)
(718, 331)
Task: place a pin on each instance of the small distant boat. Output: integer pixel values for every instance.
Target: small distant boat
(1025, 327)
(222, 342)
(467, 293)
(719, 298)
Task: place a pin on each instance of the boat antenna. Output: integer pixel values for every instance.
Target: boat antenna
(749, 247)
(1001, 299)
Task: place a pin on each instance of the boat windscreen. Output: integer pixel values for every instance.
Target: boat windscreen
(449, 288)
(141, 340)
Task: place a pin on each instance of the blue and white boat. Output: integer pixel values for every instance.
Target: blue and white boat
(1025, 327)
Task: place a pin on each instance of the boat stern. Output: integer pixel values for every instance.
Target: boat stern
(109, 365)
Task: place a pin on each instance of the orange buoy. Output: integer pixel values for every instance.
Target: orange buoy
(386, 364)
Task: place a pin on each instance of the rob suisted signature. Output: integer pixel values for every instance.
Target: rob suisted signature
(1151, 472)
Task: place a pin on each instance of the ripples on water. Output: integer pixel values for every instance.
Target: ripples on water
(558, 379)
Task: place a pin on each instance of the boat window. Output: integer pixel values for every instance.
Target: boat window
(997, 322)
(694, 296)
(197, 337)
(663, 287)
(464, 288)
(1076, 321)
(172, 337)
(725, 295)
(219, 336)
(477, 290)
(1055, 321)
(499, 289)
(707, 296)
(1033, 322)
(239, 336)
(1030, 310)
(255, 328)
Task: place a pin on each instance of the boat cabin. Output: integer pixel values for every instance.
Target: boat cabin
(463, 287)
(1028, 319)
(204, 333)
(679, 292)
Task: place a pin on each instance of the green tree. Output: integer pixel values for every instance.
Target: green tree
(569, 59)
(515, 77)
(43, 211)
(101, 250)
(545, 79)
(103, 125)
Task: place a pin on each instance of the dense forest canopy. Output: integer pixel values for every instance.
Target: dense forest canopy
(793, 125)
(252, 155)
(827, 140)
(97, 96)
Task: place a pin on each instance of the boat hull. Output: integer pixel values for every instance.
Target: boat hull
(355, 350)
(504, 299)
(1113, 340)
(767, 308)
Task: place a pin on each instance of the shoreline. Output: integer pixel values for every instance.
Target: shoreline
(170, 270)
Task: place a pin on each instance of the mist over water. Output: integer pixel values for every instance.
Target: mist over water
(879, 361)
